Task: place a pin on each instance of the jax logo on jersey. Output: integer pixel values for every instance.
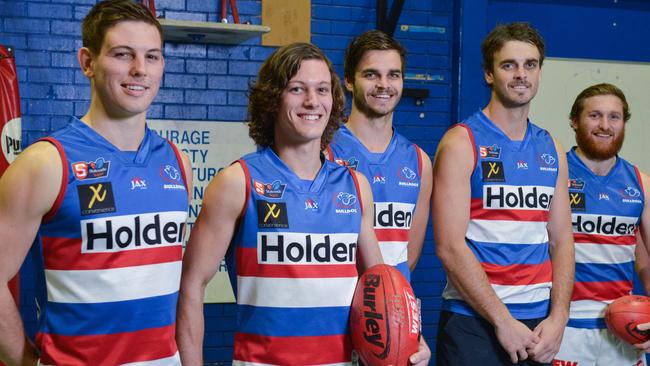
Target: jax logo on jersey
(603, 196)
(631, 195)
(576, 184)
(547, 162)
(603, 224)
(138, 183)
(91, 169)
(306, 248)
(517, 197)
(345, 203)
(378, 179)
(393, 215)
(172, 176)
(521, 164)
(490, 152)
(130, 232)
(311, 205)
(352, 162)
(274, 189)
(407, 177)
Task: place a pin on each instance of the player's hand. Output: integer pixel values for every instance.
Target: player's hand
(515, 337)
(645, 347)
(422, 356)
(550, 332)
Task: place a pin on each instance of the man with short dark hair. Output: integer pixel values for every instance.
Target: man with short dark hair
(609, 202)
(501, 219)
(400, 172)
(108, 199)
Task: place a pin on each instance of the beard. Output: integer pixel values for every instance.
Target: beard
(362, 106)
(597, 150)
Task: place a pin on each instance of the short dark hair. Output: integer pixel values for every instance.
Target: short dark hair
(265, 95)
(369, 41)
(502, 33)
(594, 91)
(108, 13)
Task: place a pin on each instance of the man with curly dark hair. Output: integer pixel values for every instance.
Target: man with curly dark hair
(296, 223)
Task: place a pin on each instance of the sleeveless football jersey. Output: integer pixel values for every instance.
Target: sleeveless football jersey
(394, 177)
(296, 264)
(606, 211)
(111, 249)
(511, 190)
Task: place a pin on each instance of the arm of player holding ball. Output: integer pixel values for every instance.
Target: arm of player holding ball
(644, 231)
(370, 255)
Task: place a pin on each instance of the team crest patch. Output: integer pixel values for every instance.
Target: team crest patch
(345, 203)
(171, 177)
(493, 171)
(272, 214)
(631, 195)
(547, 162)
(96, 198)
(274, 189)
(407, 177)
(490, 152)
(91, 169)
(349, 163)
(578, 201)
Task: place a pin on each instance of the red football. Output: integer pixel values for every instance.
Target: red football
(625, 313)
(385, 318)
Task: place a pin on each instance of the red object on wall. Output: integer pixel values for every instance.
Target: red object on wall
(10, 123)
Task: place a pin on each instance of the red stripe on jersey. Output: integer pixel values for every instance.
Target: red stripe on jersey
(598, 291)
(65, 254)
(108, 349)
(247, 265)
(479, 213)
(519, 274)
(604, 239)
(392, 234)
(315, 350)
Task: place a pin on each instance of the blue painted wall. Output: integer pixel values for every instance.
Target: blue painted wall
(209, 82)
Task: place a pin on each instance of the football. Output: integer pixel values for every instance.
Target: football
(625, 313)
(384, 318)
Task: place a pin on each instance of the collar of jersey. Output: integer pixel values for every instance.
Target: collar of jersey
(296, 183)
(512, 145)
(372, 157)
(572, 157)
(141, 156)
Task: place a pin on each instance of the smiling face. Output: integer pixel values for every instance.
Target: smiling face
(516, 75)
(600, 128)
(125, 75)
(378, 83)
(306, 104)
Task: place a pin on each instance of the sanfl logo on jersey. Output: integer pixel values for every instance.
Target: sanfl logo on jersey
(274, 189)
(91, 169)
(490, 152)
(349, 163)
(577, 184)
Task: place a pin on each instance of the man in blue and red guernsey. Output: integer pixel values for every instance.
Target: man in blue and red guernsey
(108, 199)
(398, 170)
(299, 226)
(609, 198)
(501, 219)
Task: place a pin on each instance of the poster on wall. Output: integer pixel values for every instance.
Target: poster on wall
(211, 146)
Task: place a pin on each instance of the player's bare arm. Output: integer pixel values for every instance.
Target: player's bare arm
(562, 252)
(421, 215)
(28, 189)
(642, 263)
(644, 231)
(450, 213)
(222, 205)
(367, 247)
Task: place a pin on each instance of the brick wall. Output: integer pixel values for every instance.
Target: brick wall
(209, 82)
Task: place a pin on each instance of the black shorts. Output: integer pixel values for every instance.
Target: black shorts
(465, 340)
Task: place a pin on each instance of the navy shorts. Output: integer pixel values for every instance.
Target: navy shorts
(465, 340)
